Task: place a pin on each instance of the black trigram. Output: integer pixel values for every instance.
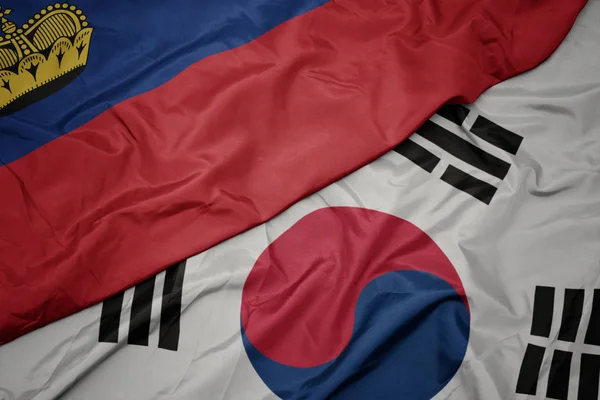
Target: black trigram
(141, 310)
(560, 367)
(464, 150)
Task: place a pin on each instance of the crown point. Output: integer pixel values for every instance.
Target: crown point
(28, 54)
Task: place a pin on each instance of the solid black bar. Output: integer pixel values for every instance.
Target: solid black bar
(589, 377)
(543, 308)
(530, 370)
(454, 113)
(170, 313)
(481, 190)
(571, 314)
(464, 150)
(592, 335)
(560, 372)
(110, 318)
(141, 313)
(496, 135)
(418, 155)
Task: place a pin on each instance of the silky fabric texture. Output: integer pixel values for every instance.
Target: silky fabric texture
(540, 229)
(135, 47)
(348, 250)
(239, 136)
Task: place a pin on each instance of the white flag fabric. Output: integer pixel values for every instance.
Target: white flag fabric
(463, 265)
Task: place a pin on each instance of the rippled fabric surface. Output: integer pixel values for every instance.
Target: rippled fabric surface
(517, 312)
(170, 142)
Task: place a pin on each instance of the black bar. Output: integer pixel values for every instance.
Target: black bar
(592, 335)
(418, 155)
(589, 377)
(110, 318)
(464, 150)
(543, 308)
(170, 313)
(481, 190)
(454, 113)
(496, 135)
(560, 372)
(530, 370)
(571, 314)
(141, 313)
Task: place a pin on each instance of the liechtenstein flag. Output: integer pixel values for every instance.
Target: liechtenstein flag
(136, 133)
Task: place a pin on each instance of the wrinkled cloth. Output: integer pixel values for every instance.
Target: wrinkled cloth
(541, 229)
(171, 141)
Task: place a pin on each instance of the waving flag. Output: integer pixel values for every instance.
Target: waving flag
(135, 134)
(398, 279)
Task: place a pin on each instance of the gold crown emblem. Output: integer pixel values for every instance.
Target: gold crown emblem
(42, 56)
